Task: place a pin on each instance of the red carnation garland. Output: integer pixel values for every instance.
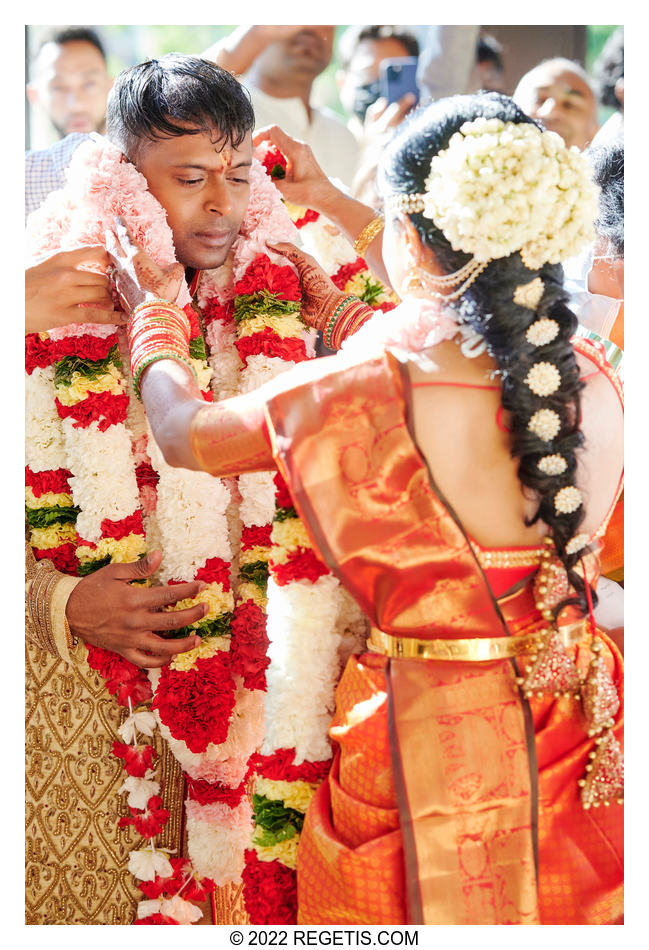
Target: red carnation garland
(63, 557)
(262, 274)
(206, 793)
(269, 343)
(271, 891)
(183, 879)
(279, 766)
(196, 704)
(53, 480)
(150, 821)
(105, 409)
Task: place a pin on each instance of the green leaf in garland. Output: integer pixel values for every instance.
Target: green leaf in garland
(89, 567)
(283, 514)
(274, 821)
(263, 302)
(220, 626)
(54, 514)
(197, 349)
(372, 290)
(278, 171)
(89, 369)
(255, 572)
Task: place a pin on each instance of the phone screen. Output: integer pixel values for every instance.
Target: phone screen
(397, 77)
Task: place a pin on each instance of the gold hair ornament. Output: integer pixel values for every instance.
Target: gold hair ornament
(528, 295)
(541, 332)
(567, 500)
(545, 423)
(552, 464)
(543, 379)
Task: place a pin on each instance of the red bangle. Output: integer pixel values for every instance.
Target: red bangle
(350, 319)
(157, 330)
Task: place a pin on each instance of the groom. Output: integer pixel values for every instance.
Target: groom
(186, 124)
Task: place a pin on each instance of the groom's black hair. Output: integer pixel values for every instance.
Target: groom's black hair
(176, 95)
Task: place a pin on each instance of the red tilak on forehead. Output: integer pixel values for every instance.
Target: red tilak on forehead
(226, 156)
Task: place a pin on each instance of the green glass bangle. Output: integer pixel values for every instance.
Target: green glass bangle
(326, 336)
(154, 358)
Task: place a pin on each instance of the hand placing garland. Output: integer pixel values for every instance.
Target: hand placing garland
(106, 610)
(137, 276)
(325, 306)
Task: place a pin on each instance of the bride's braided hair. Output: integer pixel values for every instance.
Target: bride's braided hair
(488, 306)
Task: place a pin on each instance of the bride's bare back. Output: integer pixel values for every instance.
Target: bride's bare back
(469, 455)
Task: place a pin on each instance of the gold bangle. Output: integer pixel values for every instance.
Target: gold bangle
(368, 234)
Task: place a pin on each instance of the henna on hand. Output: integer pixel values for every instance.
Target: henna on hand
(320, 296)
(164, 283)
(135, 273)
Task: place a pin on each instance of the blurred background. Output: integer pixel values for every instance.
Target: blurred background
(521, 48)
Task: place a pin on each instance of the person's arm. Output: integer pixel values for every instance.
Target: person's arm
(229, 437)
(69, 287)
(446, 57)
(225, 438)
(106, 610)
(238, 51)
(306, 184)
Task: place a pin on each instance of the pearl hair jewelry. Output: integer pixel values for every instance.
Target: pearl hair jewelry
(543, 379)
(567, 500)
(552, 464)
(528, 295)
(541, 331)
(545, 423)
(411, 204)
(438, 285)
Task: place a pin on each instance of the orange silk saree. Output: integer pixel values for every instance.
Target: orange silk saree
(452, 799)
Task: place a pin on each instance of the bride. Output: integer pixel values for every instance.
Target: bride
(455, 466)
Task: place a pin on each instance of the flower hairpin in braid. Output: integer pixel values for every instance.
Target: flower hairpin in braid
(542, 331)
(577, 543)
(567, 500)
(545, 423)
(543, 379)
(552, 464)
(528, 295)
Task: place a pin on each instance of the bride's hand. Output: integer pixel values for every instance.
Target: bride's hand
(305, 182)
(136, 275)
(320, 296)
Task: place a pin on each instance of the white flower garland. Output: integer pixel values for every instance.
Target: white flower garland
(192, 518)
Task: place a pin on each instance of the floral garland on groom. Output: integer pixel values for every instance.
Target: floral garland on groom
(98, 492)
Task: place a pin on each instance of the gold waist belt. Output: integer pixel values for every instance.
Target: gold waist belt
(474, 650)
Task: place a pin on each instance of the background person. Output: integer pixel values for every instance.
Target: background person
(70, 81)
(608, 72)
(372, 119)
(560, 95)
(489, 68)
(278, 65)
(362, 49)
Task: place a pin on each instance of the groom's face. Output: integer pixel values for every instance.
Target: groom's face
(204, 186)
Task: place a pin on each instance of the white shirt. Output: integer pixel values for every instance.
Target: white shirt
(334, 146)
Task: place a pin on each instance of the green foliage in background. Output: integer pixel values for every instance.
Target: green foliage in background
(596, 36)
